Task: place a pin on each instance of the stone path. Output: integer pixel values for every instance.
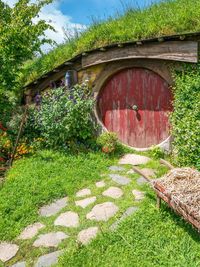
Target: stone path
(48, 259)
(55, 207)
(116, 168)
(121, 180)
(113, 192)
(85, 202)
(134, 159)
(68, 219)
(31, 231)
(50, 239)
(100, 184)
(85, 236)
(83, 193)
(20, 264)
(7, 251)
(101, 212)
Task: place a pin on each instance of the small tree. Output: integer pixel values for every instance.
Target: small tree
(20, 38)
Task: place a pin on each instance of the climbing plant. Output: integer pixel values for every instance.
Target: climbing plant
(186, 117)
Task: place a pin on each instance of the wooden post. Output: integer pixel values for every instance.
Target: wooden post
(158, 202)
(18, 136)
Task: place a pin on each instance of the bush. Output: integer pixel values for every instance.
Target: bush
(186, 117)
(108, 142)
(64, 116)
(156, 152)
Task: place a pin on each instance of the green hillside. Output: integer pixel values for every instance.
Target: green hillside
(165, 18)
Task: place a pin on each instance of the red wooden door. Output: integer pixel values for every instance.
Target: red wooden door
(141, 88)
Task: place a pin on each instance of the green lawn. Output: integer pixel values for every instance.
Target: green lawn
(41, 178)
(149, 237)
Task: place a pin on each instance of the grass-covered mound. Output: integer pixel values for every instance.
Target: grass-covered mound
(164, 18)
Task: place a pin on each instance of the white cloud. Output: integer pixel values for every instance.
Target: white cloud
(52, 14)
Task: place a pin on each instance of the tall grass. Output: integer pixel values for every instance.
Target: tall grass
(164, 18)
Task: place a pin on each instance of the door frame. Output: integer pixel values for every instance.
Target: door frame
(160, 67)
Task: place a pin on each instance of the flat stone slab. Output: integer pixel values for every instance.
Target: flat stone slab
(116, 168)
(141, 181)
(138, 195)
(50, 239)
(31, 231)
(83, 203)
(121, 180)
(19, 264)
(133, 159)
(148, 172)
(114, 192)
(127, 213)
(100, 184)
(48, 260)
(68, 219)
(102, 212)
(53, 208)
(84, 192)
(85, 236)
(7, 251)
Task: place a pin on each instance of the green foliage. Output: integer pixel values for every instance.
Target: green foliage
(65, 116)
(108, 142)
(156, 152)
(186, 117)
(20, 38)
(164, 18)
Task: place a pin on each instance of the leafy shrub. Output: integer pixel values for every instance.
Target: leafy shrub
(186, 117)
(65, 116)
(108, 142)
(156, 152)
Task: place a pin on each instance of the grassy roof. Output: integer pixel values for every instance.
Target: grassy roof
(164, 18)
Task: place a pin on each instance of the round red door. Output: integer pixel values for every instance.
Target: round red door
(135, 103)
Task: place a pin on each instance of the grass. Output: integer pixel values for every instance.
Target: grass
(149, 237)
(41, 178)
(164, 18)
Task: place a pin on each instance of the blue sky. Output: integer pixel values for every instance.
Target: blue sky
(81, 11)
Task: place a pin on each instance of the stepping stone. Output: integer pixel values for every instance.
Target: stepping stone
(122, 180)
(19, 264)
(102, 212)
(55, 207)
(131, 172)
(84, 192)
(133, 159)
(85, 236)
(7, 251)
(141, 181)
(68, 219)
(100, 184)
(138, 195)
(31, 230)
(113, 192)
(48, 260)
(148, 172)
(127, 213)
(50, 239)
(116, 168)
(85, 202)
